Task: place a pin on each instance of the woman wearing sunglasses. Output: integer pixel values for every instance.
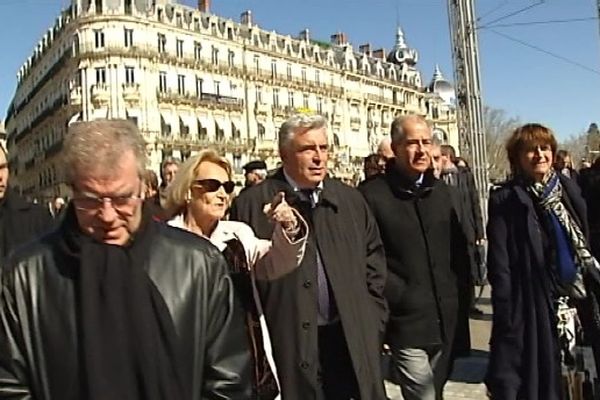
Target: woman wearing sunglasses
(198, 200)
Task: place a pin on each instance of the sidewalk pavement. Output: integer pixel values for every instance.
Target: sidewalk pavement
(467, 376)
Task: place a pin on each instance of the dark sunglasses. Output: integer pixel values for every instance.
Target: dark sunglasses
(212, 185)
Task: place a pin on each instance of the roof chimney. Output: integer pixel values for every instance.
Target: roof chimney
(339, 39)
(379, 53)
(365, 48)
(246, 18)
(204, 6)
(305, 35)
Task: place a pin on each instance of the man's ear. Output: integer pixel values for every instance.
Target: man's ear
(282, 155)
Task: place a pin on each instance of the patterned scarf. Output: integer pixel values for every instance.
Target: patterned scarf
(573, 255)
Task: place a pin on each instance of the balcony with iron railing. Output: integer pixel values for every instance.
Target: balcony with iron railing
(221, 144)
(89, 50)
(100, 94)
(261, 108)
(75, 96)
(205, 100)
(131, 92)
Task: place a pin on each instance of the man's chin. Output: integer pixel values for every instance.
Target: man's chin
(113, 238)
(120, 241)
(317, 177)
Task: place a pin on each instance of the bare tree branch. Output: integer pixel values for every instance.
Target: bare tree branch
(498, 127)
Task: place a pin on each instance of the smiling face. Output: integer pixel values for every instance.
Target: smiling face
(305, 157)
(413, 152)
(110, 222)
(208, 206)
(536, 160)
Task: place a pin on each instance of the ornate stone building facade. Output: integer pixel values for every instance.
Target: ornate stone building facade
(191, 79)
(2, 134)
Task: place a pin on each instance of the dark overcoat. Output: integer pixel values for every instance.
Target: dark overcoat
(354, 261)
(524, 358)
(426, 253)
(589, 181)
(20, 222)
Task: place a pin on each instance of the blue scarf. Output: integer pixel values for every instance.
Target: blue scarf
(570, 243)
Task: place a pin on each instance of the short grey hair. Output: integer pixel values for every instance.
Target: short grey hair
(397, 131)
(297, 122)
(100, 144)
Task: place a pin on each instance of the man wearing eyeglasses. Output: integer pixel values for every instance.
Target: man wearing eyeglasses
(326, 318)
(113, 305)
(20, 221)
(424, 247)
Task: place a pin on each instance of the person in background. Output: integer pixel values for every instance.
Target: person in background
(436, 159)
(327, 318)
(585, 164)
(469, 213)
(118, 305)
(461, 163)
(564, 165)
(197, 201)
(590, 189)
(539, 261)
(151, 197)
(254, 172)
(372, 166)
(57, 206)
(384, 150)
(168, 171)
(20, 221)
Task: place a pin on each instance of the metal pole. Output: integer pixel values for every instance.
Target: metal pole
(465, 54)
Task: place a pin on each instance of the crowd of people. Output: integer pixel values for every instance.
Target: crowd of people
(293, 288)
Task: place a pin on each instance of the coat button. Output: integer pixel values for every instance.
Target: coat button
(304, 365)
(307, 284)
(305, 325)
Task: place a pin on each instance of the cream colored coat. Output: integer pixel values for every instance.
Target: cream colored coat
(269, 259)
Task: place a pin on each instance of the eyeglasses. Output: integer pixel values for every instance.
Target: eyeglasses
(119, 203)
(212, 185)
(122, 204)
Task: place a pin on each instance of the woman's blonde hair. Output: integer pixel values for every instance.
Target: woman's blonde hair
(178, 191)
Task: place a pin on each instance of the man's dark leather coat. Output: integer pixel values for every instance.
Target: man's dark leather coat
(39, 338)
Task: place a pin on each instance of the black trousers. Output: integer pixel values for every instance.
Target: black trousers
(336, 374)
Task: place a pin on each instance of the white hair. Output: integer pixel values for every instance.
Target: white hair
(297, 122)
(397, 132)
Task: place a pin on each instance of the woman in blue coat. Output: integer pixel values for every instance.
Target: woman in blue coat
(538, 253)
